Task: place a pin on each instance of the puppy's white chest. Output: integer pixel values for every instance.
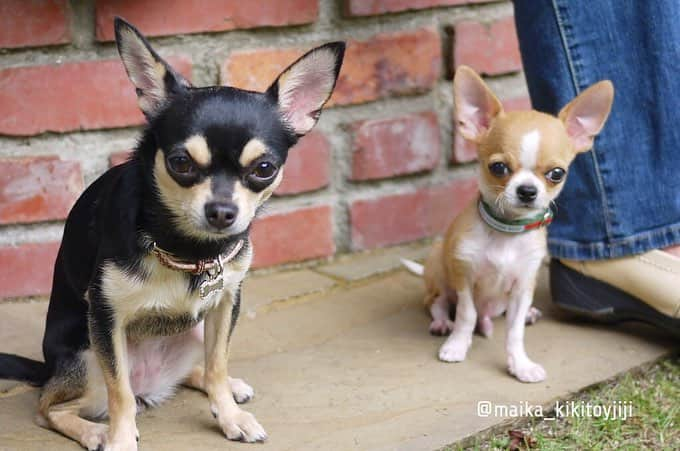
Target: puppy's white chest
(502, 262)
(503, 257)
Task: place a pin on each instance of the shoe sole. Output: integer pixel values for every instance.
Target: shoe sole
(602, 302)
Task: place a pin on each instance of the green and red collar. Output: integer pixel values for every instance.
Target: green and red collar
(515, 226)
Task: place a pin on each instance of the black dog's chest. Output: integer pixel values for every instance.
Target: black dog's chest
(164, 301)
(156, 325)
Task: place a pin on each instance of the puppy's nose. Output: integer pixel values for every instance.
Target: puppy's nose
(527, 193)
(221, 214)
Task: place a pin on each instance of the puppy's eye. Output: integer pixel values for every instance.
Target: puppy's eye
(264, 170)
(555, 175)
(181, 164)
(499, 169)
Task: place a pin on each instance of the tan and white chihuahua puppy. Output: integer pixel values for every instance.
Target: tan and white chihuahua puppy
(489, 259)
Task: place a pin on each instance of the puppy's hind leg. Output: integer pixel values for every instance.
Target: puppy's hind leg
(456, 346)
(533, 315)
(441, 323)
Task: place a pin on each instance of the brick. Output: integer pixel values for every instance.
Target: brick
(117, 158)
(70, 96)
(388, 147)
(307, 167)
(293, 236)
(446, 201)
(167, 17)
(406, 217)
(27, 269)
(34, 23)
(387, 64)
(373, 7)
(490, 49)
(38, 189)
(256, 69)
(464, 151)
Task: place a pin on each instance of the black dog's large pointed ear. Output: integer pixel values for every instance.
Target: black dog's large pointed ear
(153, 78)
(304, 87)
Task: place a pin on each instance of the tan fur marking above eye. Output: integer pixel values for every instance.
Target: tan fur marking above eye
(198, 149)
(251, 151)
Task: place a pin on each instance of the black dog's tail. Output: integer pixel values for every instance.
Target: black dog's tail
(22, 369)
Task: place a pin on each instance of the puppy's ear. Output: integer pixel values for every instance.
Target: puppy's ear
(585, 116)
(476, 105)
(304, 87)
(153, 78)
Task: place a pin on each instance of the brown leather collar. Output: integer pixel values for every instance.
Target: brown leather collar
(196, 268)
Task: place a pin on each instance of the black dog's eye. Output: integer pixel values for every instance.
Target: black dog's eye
(499, 169)
(181, 164)
(555, 175)
(264, 170)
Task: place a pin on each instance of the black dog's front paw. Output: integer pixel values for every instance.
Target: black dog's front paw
(242, 426)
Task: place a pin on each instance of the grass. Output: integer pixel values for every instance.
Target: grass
(655, 396)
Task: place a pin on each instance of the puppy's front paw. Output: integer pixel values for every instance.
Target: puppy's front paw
(441, 327)
(453, 351)
(242, 392)
(242, 426)
(527, 371)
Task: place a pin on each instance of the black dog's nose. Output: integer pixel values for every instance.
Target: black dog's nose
(221, 214)
(527, 193)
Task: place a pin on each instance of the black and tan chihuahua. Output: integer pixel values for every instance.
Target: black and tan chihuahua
(147, 279)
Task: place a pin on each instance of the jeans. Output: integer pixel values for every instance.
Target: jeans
(623, 197)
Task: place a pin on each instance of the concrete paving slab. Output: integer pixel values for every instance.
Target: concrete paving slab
(356, 369)
(361, 266)
(261, 291)
(21, 328)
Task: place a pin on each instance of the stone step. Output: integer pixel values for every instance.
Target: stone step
(352, 366)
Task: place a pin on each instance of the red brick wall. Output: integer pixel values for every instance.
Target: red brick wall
(383, 166)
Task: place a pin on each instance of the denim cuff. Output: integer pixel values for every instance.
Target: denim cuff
(635, 244)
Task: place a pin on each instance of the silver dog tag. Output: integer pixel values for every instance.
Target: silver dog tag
(213, 282)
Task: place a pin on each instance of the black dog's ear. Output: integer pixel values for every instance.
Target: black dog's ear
(153, 78)
(304, 87)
